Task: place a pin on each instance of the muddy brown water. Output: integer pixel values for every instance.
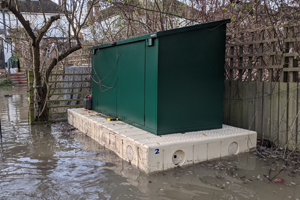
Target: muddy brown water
(46, 162)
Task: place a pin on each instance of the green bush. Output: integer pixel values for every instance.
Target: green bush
(5, 82)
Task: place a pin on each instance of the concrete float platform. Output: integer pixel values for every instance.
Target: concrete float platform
(152, 153)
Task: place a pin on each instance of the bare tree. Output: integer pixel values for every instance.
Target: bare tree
(75, 14)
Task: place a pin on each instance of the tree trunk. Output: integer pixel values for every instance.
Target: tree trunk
(41, 79)
(43, 106)
(41, 88)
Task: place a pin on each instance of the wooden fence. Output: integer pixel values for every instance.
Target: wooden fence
(270, 108)
(75, 60)
(262, 91)
(67, 90)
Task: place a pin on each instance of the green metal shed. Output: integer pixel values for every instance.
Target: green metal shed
(165, 82)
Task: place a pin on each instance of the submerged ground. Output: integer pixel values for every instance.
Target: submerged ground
(50, 162)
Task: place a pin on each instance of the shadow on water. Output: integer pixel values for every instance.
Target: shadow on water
(48, 162)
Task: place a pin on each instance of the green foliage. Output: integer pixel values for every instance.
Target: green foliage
(250, 7)
(15, 57)
(5, 82)
(232, 18)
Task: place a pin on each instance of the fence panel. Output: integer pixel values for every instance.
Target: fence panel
(69, 90)
(262, 92)
(65, 92)
(271, 109)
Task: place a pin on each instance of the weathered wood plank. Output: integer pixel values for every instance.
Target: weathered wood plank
(69, 81)
(251, 87)
(272, 58)
(58, 113)
(261, 54)
(233, 101)
(231, 63)
(282, 137)
(65, 88)
(67, 106)
(259, 108)
(293, 69)
(31, 97)
(290, 54)
(254, 42)
(55, 94)
(292, 114)
(57, 100)
(259, 67)
(294, 39)
(261, 58)
(240, 59)
(60, 120)
(274, 114)
(234, 106)
(69, 74)
(266, 112)
(227, 101)
(266, 28)
(250, 64)
(245, 105)
(298, 119)
(239, 105)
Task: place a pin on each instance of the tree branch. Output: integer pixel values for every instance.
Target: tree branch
(157, 11)
(42, 10)
(20, 17)
(45, 28)
(59, 58)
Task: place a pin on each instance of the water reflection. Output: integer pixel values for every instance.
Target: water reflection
(46, 162)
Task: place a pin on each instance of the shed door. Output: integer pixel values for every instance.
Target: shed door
(106, 76)
(131, 90)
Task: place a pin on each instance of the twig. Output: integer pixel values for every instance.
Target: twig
(270, 180)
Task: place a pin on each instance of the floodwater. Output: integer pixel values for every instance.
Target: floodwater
(46, 162)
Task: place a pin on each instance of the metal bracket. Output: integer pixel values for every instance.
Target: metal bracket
(95, 51)
(150, 42)
(113, 43)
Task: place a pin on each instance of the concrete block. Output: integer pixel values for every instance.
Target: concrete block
(152, 153)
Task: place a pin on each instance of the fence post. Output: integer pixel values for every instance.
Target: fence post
(250, 64)
(261, 57)
(0, 130)
(240, 58)
(31, 96)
